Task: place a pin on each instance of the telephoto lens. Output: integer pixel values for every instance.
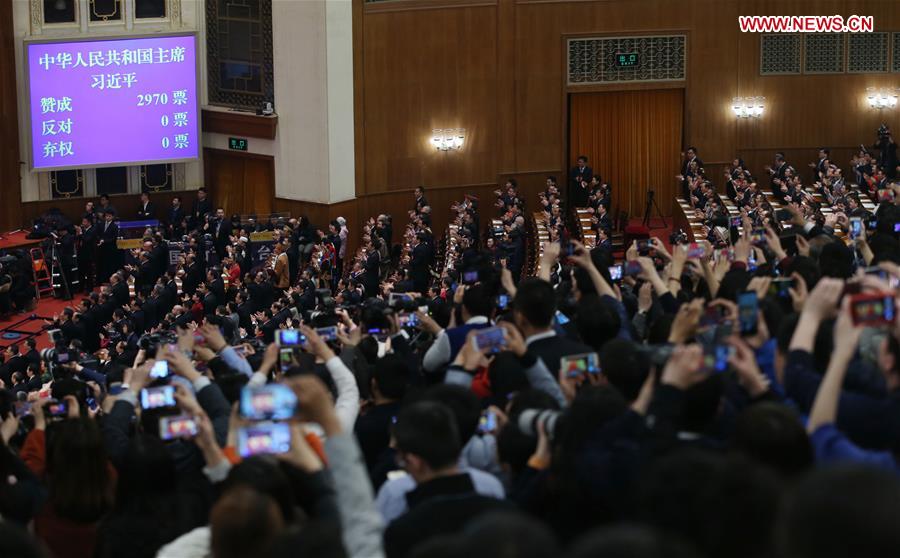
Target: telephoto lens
(530, 418)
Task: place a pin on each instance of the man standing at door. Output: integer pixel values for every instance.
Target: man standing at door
(109, 252)
(579, 182)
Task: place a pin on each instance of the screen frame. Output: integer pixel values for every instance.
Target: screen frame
(28, 41)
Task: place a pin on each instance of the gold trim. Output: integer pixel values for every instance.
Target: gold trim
(105, 17)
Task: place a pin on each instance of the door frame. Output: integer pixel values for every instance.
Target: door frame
(211, 152)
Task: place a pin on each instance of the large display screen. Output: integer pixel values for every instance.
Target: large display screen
(113, 101)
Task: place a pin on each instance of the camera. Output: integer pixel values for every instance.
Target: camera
(150, 342)
(530, 418)
(678, 237)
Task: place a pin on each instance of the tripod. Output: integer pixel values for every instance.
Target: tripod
(651, 203)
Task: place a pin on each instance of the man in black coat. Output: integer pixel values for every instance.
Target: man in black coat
(419, 261)
(579, 182)
(200, 209)
(146, 209)
(109, 252)
(87, 253)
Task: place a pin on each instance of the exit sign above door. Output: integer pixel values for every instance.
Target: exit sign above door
(238, 144)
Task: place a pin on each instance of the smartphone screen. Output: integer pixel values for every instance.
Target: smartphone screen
(160, 369)
(268, 402)
(491, 338)
(328, 333)
(285, 359)
(470, 277)
(289, 337)
(615, 272)
(781, 287)
(181, 426)
(633, 268)
(408, 320)
(856, 228)
(502, 301)
(487, 423)
(579, 365)
(873, 309)
(715, 358)
(263, 438)
(748, 312)
(694, 250)
(155, 397)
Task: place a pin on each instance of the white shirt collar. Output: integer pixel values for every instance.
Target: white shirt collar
(538, 336)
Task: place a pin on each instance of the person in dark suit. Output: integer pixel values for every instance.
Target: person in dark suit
(420, 199)
(86, 237)
(370, 277)
(690, 157)
(146, 209)
(534, 309)
(579, 182)
(174, 218)
(220, 229)
(200, 209)
(109, 252)
(821, 166)
(14, 363)
(418, 263)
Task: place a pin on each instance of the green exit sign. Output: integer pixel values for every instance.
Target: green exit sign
(239, 144)
(626, 59)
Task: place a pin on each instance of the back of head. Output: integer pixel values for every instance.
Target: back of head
(597, 321)
(243, 522)
(391, 374)
(147, 473)
(625, 366)
(630, 541)
(428, 430)
(836, 260)
(535, 301)
(478, 301)
(842, 511)
(79, 480)
(264, 475)
(462, 403)
(773, 435)
(510, 535)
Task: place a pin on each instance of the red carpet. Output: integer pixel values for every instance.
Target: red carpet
(25, 327)
(17, 240)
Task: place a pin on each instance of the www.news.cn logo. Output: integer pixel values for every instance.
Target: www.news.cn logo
(806, 24)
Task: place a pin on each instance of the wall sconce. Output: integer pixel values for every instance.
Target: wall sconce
(448, 139)
(748, 107)
(881, 98)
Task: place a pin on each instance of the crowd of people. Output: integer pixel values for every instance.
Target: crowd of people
(692, 400)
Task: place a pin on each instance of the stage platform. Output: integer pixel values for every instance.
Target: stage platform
(16, 239)
(31, 324)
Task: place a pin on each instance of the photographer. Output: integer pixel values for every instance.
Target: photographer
(887, 148)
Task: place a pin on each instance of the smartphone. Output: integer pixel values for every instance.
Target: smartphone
(155, 397)
(632, 269)
(694, 250)
(736, 222)
(394, 298)
(782, 286)
(748, 312)
(580, 365)
(470, 277)
(873, 309)
(570, 248)
(644, 246)
(328, 333)
(180, 426)
(893, 282)
(715, 358)
(289, 338)
(263, 438)
(487, 423)
(758, 237)
(856, 228)
(615, 272)
(409, 319)
(22, 408)
(268, 402)
(492, 338)
(886, 195)
(712, 317)
(285, 359)
(240, 351)
(502, 302)
(160, 369)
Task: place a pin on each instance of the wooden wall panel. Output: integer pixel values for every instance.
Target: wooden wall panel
(242, 183)
(10, 192)
(413, 61)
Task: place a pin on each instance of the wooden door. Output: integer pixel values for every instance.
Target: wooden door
(240, 182)
(633, 139)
